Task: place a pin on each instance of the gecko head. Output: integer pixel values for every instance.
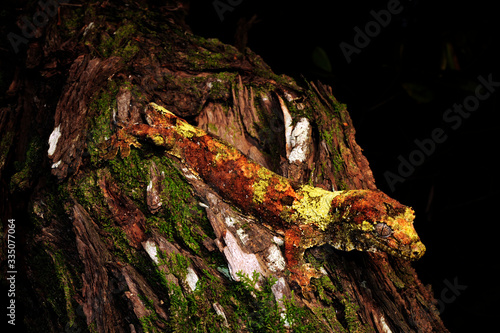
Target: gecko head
(372, 221)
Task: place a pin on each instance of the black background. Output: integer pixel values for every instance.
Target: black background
(397, 90)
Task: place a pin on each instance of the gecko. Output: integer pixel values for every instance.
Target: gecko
(307, 216)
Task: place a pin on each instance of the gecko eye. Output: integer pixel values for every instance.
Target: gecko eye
(383, 230)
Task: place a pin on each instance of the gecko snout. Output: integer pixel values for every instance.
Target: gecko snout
(417, 251)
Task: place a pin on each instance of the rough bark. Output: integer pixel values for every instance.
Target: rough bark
(135, 241)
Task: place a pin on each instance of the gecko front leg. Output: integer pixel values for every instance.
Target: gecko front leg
(297, 239)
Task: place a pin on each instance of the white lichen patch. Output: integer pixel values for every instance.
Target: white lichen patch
(53, 139)
(275, 258)
(238, 260)
(299, 141)
(278, 290)
(288, 96)
(191, 278)
(89, 27)
(278, 241)
(230, 221)
(150, 247)
(220, 311)
(153, 197)
(189, 174)
(242, 235)
(384, 325)
(55, 165)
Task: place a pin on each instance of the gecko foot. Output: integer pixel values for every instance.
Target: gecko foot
(302, 275)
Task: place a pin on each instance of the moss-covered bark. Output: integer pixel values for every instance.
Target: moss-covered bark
(136, 239)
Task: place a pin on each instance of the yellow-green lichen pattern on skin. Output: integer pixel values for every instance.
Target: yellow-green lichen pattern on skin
(181, 126)
(367, 226)
(224, 153)
(260, 187)
(314, 206)
(187, 130)
(161, 109)
(408, 229)
(158, 140)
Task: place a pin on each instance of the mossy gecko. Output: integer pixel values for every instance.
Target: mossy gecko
(307, 216)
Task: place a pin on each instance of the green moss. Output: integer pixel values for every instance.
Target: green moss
(43, 264)
(89, 195)
(147, 323)
(66, 283)
(351, 316)
(182, 219)
(246, 306)
(92, 327)
(221, 85)
(267, 315)
(323, 286)
(26, 171)
(87, 192)
(73, 21)
(177, 264)
(213, 128)
(179, 308)
(203, 59)
(300, 319)
(132, 173)
(100, 127)
(56, 282)
(121, 245)
(329, 134)
(189, 311)
(120, 43)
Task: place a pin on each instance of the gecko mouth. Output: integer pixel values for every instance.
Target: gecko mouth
(413, 251)
(374, 243)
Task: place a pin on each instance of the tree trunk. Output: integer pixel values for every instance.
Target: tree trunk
(136, 242)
